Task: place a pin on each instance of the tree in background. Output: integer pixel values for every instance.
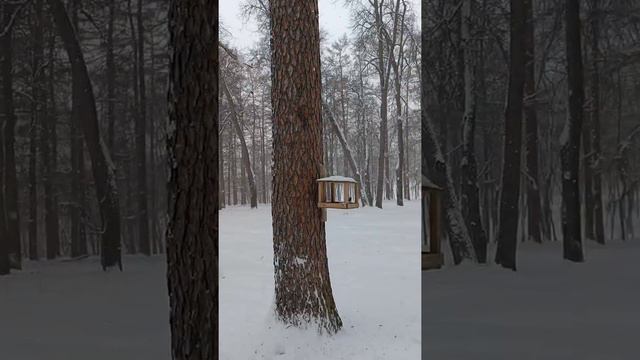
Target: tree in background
(192, 231)
(103, 168)
(509, 207)
(570, 141)
(302, 283)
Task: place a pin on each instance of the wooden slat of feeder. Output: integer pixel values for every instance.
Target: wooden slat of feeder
(337, 205)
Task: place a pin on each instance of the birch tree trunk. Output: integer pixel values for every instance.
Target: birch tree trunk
(303, 295)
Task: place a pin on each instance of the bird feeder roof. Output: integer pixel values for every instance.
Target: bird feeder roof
(337, 179)
(426, 183)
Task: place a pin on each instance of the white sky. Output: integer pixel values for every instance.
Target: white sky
(334, 19)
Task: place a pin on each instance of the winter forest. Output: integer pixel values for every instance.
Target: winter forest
(370, 94)
(84, 112)
(531, 124)
(531, 127)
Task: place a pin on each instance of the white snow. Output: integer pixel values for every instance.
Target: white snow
(337, 178)
(374, 262)
(68, 310)
(549, 309)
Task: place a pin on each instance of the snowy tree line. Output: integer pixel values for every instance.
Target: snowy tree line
(569, 71)
(84, 109)
(370, 91)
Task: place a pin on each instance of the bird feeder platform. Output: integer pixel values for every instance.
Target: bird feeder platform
(338, 192)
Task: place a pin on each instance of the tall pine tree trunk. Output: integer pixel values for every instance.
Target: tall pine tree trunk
(509, 207)
(101, 164)
(570, 152)
(192, 144)
(302, 284)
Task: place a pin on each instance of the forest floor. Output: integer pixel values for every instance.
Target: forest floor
(72, 310)
(549, 309)
(374, 261)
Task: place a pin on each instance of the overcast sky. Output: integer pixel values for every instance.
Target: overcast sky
(334, 19)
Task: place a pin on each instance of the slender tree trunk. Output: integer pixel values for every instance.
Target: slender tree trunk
(5, 265)
(192, 231)
(470, 193)
(263, 151)
(102, 166)
(49, 154)
(302, 284)
(37, 113)
(435, 167)
(384, 92)
(243, 146)
(348, 154)
(508, 228)
(531, 119)
(141, 143)
(570, 152)
(111, 74)
(78, 236)
(10, 176)
(595, 158)
(397, 69)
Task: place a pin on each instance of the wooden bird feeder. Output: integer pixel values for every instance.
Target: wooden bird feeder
(338, 192)
(432, 257)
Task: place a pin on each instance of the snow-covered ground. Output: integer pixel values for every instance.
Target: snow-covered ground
(374, 262)
(57, 310)
(550, 309)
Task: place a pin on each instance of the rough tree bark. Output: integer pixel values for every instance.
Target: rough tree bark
(192, 144)
(101, 164)
(470, 193)
(303, 294)
(531, 119)
(251, 177)
(509, 207)
(570, 152)
(10, 177)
